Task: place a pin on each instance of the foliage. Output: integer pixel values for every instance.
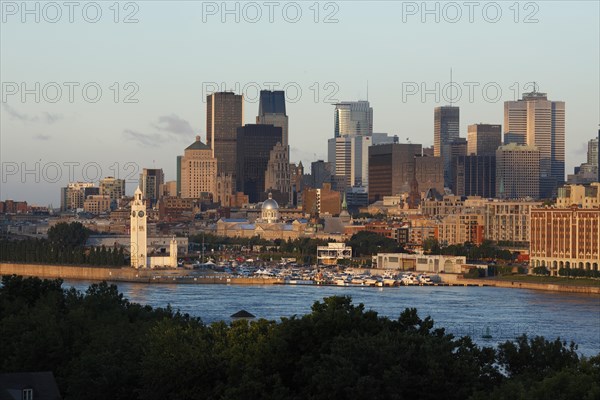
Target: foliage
(541, 271)
(485, 250)
(101, 346)
(578, 273)
(365, 243)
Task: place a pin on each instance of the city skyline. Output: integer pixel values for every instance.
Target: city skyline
(171, 104)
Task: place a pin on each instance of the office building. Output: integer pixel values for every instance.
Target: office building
(320, 173)
(394, 167)
(445, 126)
(151, 180)
(271, 111)
(517, 172)
(353, 118)
(483, 139)
(543, 123)
(75, 193)
(97, 204)
(198, 172)
(349, 156)
(516, 138)
(320, 201)
(224, 115)
(254, 145)
(475, 175)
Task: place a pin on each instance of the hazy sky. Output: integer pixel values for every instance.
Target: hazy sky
(154, 71)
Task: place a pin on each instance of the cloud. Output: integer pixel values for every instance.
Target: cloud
(174, 124)
(42, 137)
(45, 117)
(169, 127)
(145, 139)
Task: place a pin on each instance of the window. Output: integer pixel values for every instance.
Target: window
(27, 394)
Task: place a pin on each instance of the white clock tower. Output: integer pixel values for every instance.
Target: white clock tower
(138, 231)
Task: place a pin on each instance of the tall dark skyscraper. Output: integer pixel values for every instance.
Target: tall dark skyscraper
(475, 175)
(254, 145)
(446, 120)
(271, 111)
(224, 114)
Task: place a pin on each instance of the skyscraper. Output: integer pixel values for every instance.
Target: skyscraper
(543, 123)
(483, 139)
(353, 118)
(271, 111)
(445, 131)
(446, 121)
(198, 171)
(224, 114)
(151, 180)
(394, 167)
(475, 175)
(349, 156)
(254, 145)
(517, 171)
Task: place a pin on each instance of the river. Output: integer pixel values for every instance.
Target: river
(506, 313)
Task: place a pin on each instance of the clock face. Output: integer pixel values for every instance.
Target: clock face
(140, 214)
(133, 213)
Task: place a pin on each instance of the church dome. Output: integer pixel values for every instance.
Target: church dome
(270, 204)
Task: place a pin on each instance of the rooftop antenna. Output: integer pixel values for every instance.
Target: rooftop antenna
(367, 90)
(451, 87)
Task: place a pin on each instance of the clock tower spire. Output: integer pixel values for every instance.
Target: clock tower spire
(138, 230)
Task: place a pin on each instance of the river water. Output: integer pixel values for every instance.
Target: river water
(505, 312)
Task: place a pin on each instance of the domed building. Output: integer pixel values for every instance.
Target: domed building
(269, 211)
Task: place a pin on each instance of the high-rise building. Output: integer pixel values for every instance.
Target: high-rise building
(224, 115)
(516, 138)
(454, 147)
(543, 123)
(475, 175)
(483, 139)
(446, 121)
(151, 180)
(353, 118)
(394, 167)
(349, 156)
(320, 172)
(517, 171)
(271, 111)
(112, 187)
(588, 171)
(322, 200)
(254, 145)
(198, 172)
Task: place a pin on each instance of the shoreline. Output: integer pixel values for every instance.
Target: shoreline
(130, 275)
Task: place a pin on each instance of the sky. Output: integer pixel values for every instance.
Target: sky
(94, 89)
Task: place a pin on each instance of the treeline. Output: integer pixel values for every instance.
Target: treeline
(486, 250)
(101, 346)
(578, 273)
(65, 245)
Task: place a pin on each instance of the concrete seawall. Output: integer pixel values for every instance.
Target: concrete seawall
(452, 278)
(124, 274)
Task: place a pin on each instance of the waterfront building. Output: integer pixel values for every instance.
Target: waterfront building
(457, 229)
(419, 262)
(509, 222)
(333, 253)
(567, 236)
(198, 172)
